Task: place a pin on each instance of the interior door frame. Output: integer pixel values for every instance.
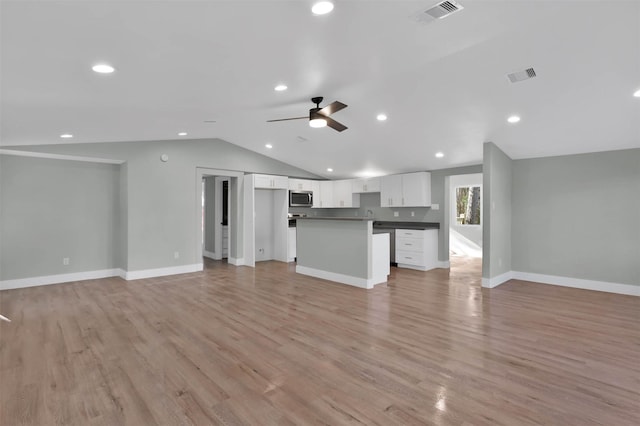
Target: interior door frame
(217, 214)
(234, 217)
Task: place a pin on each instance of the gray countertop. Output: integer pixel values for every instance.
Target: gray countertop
(335, 218)
(406, 225)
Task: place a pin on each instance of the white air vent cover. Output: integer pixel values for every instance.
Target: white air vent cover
(515, 77)
(439, 11)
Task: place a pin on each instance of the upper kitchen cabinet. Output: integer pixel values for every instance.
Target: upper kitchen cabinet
(343, 195)
(365, 185)
(406, 190)
(323, 198)
(271, 182)
(302, 185)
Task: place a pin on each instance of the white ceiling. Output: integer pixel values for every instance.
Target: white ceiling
(442, 84)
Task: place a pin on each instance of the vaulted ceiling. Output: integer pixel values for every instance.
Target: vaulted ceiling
(442, 83)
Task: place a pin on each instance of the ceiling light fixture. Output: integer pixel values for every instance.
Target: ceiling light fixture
(439, 154)
(317, 122)
(382, 117)
(269, 146)
(66, 135)
(637, 93)
(513, 119)
(103, 68)
(182, 134)
(329, 169)
(322, 8)
(280, 88)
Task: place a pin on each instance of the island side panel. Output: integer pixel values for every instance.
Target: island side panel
(335, 246)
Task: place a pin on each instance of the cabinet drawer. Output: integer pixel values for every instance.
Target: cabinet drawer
(411, 233)
(409, 258)
(410, 244)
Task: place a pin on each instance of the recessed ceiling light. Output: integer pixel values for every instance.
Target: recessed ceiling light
(182, 134)
(637, 93)
(322, 8)
(280, 88)
(269, 146)
(103, 68)
(439, 154)
(513, 119)
(329, 169)
(66, 135)
(381, 117)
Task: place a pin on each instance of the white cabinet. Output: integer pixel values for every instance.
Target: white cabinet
(271, 182)
(406, 190)
(291, 252)
(301, 184)
(365, 185)
(323, 198)
(391, 191)
(417, 249)
(343, 195)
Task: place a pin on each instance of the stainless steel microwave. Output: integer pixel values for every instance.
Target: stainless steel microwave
(300, 199)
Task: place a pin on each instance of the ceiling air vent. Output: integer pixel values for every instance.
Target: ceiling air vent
(515, 77)
(439, 11)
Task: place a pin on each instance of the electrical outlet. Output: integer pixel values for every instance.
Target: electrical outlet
(65, 260)
(176, 254)
(435, 206)
(413, 214)
(396, 214)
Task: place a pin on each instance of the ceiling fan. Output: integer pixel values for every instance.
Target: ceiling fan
(319, 117)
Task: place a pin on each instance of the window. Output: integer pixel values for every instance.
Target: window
(468, 206)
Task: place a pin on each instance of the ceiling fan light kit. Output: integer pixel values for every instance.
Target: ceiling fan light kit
(319, 117)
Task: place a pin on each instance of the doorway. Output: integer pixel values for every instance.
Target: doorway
(219, 224)
(215, 217)
(465, 223)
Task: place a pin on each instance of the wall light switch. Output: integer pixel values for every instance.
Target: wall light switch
(396, 214)
(413, 214)
(435, 206)
(176, 255)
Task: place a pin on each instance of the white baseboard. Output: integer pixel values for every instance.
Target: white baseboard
(445, 264)
(60, 278)
(209, 254)
(340, 278)
(161, 272)
(496, 281)
(608, 287)
(237, 261)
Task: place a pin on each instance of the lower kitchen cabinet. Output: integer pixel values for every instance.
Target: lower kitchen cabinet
(417, 248)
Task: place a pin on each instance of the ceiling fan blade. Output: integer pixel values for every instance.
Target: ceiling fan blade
(331, 108)
(335, 125)
(287, 119)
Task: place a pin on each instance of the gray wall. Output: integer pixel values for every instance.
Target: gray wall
(52, 209)
(496, 210)
(577, 216)
(161, 197)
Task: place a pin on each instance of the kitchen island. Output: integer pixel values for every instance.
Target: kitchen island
(344, 250)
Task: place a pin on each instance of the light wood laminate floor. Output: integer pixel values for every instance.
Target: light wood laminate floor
(265, 346)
